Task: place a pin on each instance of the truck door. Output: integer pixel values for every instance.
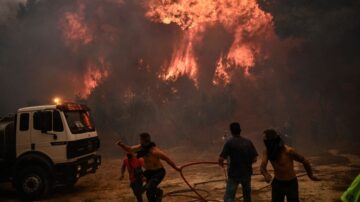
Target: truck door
(48, 135)
(23, 143)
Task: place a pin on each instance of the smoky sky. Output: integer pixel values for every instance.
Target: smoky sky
(324, 69)
(311, 77)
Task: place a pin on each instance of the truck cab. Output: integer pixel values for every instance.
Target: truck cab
(45, 146)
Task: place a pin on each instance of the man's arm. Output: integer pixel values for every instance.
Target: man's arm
(299, 158)
(221, 161)
(263, 169)
(127, 148)
(123, 167)
(224, 154)
(164, 157)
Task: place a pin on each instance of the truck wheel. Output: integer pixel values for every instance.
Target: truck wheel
(33, 182)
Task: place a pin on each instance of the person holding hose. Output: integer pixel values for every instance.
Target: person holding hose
(154, 169)
(282, 157)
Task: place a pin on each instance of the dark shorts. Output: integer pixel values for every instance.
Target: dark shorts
(153, 179)
(285, 188)
(154, 173)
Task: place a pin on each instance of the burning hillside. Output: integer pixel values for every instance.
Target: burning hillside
(180, 70)
(182, 67)
(249, 26)
(173, 66)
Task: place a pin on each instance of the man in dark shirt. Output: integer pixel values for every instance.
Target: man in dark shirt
(240, 154)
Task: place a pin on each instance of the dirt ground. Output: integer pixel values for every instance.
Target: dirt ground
(336, 169)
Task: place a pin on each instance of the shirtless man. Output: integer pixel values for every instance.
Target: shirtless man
(154, 169)
(282, 159)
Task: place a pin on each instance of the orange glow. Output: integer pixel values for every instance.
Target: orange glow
(94, 75)
(242, 18)
(248, 25)
(75, 31)
(86, 119)
(57, 100)
(221, 74)
(183, 61)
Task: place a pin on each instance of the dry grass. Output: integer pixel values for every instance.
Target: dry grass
(337, 171)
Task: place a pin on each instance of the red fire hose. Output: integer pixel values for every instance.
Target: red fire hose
(196, 191)
(188, 184)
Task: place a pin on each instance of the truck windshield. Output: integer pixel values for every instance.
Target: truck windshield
(79, 121)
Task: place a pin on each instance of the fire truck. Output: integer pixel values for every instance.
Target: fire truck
(46, 146)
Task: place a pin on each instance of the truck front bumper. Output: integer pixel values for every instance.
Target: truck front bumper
(69, 172)
(87, 165)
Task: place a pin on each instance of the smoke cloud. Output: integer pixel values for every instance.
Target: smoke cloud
(276, 62)
(8, 10)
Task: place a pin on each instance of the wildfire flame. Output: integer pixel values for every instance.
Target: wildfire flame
(243, 18)
(183, 60)
(95, 73)
(75, 31)
(221, 72)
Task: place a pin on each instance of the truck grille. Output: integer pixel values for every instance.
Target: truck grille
(82, 147)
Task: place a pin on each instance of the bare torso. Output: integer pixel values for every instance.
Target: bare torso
(284, 165)
(152, 160)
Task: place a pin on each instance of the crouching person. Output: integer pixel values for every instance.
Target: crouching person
(154, 169)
